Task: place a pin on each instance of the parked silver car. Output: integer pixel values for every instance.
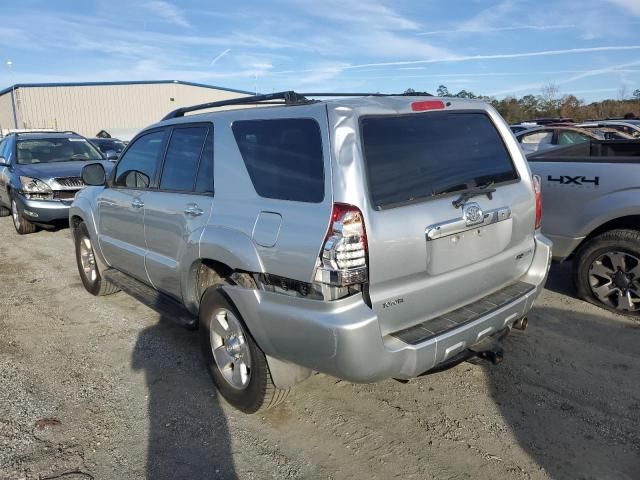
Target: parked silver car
(366, 238)
(40, 175)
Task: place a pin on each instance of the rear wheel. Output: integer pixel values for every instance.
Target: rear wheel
(237, 366)
(607, 271)
(87, 265)
(22, 226)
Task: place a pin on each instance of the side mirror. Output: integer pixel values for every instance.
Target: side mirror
(94, 175)
(3, 162)
(111, 155)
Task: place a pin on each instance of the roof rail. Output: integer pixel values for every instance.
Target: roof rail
(282, 98)
(69, 132)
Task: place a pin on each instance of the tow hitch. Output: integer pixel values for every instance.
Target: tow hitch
(489, 348)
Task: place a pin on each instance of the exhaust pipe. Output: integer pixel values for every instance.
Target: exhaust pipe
(521, 324)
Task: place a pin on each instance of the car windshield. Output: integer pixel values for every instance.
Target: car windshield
(49, 150)
(106, 145)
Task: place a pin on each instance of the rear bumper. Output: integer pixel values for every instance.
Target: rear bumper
(343, 338)
(43, 211)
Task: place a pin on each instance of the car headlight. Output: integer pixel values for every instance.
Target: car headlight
(36, 189)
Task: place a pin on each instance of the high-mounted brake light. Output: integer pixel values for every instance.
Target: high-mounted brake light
(343, 260)
(537, 190)
(427, 105)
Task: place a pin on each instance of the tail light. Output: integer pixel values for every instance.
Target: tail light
(538, 199)
(343, 260)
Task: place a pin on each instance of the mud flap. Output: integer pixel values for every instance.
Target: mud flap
(286, 375)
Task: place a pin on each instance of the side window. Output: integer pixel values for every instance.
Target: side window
(204, 182)
(537, 137)
(137, 168)
(283, 157)
(181, 160)
(6, 149)
(569, 138)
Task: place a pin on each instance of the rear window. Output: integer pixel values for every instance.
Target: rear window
(414, 157)
(283, 157)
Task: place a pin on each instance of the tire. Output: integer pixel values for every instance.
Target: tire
(87, 265)
(250, 388)
(4, 211)
(21, 225)
(607, 271)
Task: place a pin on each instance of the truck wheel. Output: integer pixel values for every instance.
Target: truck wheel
(607, 271)
(236, 364)
(4, 212)
(87, 265)
(22, 226)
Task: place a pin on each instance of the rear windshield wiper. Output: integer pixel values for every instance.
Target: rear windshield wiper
(474, 192)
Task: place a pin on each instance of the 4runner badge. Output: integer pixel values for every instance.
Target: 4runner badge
(472, 213)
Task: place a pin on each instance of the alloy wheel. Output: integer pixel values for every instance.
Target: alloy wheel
(230, 349)
(88, 260)
(15, 215)
(614, 278)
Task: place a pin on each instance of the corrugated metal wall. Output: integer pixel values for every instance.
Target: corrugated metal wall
(89, 109)
(6, 112)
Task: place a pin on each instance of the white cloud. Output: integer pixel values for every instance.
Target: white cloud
(362, 28)
(622, 67)
(373, 14)
(167, 12)
(219, 56)
(631, 6)
(500, 56)
(498, 29)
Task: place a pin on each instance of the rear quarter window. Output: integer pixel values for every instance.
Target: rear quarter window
(417, 156)
(283, 157)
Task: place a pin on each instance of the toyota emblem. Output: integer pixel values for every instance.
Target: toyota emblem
(472, 213)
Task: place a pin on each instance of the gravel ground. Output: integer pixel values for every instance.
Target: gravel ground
(106, 388)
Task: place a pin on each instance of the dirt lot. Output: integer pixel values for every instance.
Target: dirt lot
(105, 388)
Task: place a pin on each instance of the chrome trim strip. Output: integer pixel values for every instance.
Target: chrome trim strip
(459, 225)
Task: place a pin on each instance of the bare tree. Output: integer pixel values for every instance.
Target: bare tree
(549, 97)
(622, 92)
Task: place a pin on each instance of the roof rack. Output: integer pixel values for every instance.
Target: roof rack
(281, 98)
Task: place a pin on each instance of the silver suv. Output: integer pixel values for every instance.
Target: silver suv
(367, 238)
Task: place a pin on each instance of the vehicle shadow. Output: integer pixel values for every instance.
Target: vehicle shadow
(569, 391)
(188, 434)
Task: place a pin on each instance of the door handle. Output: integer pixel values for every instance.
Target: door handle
(137, 203)
(193, 211)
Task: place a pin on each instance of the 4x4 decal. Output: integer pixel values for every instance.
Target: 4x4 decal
(577, 180)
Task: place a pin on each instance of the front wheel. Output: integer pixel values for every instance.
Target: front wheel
(607, 271)
(237, 366)
(87, 265)
(21, 225)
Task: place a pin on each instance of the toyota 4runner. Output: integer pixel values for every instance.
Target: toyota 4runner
(367, 238)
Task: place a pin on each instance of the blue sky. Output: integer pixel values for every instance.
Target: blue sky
(503, 47)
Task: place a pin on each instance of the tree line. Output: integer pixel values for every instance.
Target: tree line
(550, 104)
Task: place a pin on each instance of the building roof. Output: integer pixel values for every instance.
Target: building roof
(134, 82)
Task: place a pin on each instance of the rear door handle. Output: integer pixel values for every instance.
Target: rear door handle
(193, 211)
(137, 203)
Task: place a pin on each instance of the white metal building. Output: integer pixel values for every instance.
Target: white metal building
(120, 108)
